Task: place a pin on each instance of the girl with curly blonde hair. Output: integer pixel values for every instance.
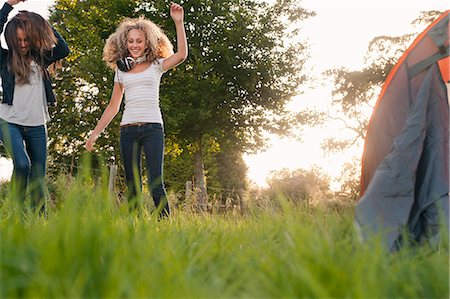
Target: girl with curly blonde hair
(140, 53)
(157, 43)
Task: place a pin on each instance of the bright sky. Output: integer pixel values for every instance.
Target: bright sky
(339, 35)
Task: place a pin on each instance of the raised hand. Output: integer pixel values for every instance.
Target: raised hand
(176, 12)
(14, 2)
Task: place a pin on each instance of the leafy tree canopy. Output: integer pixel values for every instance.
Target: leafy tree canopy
(242, 69)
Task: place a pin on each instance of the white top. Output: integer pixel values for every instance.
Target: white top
(141, 94)
(29, 106)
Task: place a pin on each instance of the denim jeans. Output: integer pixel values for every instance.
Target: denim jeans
(150, 138)
(28, 149)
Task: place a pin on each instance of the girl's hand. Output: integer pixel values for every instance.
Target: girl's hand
(90, 142)
(14, 2)
(176, 12)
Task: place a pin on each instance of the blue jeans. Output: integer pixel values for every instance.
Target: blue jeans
(28, 149)
(150, 138)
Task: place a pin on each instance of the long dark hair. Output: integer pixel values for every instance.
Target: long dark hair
(41, 40)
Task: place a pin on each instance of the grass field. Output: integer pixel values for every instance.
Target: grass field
(88, 247)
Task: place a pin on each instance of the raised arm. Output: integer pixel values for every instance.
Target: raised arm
(4, 12)
(177, 14)
(60, 50)
(6, 9)
(107, 116)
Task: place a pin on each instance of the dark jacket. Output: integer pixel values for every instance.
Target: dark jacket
(60, 51)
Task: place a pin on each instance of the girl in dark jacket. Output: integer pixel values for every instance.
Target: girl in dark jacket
(33, 45)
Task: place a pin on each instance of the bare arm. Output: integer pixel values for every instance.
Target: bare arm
(177, 14)
(107, 116)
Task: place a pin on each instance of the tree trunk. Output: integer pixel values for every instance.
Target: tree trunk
(199, 180)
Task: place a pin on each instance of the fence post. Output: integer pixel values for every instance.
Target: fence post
(188, 194)
(112, 177)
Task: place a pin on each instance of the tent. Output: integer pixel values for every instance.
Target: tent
(405, 164)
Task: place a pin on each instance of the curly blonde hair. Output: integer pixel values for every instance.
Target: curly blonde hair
(158, 45)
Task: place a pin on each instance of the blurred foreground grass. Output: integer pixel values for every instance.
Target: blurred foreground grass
(89, 247)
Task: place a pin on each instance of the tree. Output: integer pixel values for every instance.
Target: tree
(231, 173)
(240, 73)
(300, 185)
(84, 84)
(350, 180)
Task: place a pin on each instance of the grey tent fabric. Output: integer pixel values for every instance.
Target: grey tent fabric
(439, 35)
(409, 189)
(400, 91)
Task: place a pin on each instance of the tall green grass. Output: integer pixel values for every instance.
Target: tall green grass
(90, 247)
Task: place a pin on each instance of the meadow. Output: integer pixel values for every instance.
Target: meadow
(88, 246)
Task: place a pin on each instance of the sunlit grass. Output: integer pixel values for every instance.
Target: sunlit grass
(90, 247)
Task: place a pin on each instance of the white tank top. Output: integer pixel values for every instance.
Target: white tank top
(141, 94)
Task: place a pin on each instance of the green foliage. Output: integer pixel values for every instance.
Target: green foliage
(89, 247)
(300, 185)
(239, 73)
(350, 181)
(179, 170)
(3, 152)
(84, 85)
(238, 77)
(232, 173)
(4, 186)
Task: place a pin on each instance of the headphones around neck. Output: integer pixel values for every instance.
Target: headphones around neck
(127, 63)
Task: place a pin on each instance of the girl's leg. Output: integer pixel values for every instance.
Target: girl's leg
(153, 142)
(12, 138)
(131, 156)
(36, 147)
